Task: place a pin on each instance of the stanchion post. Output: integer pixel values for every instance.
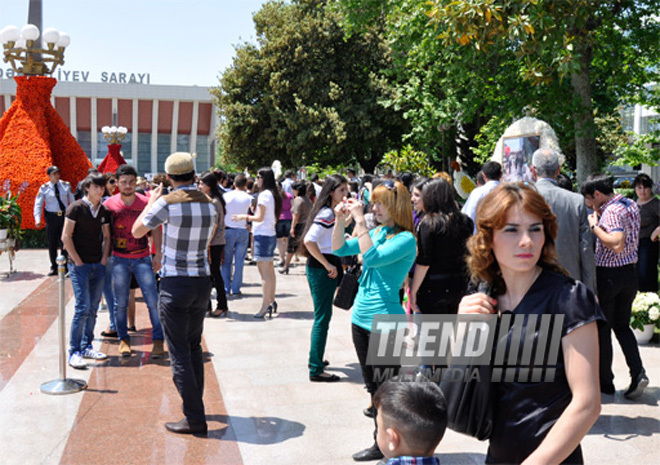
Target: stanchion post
(62, 385)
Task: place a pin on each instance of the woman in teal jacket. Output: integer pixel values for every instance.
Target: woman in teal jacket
(388, 252)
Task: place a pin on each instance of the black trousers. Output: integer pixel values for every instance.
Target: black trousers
(183, 303)
(647, 264)
(617, 288)
(218, 283)
(54, 227)
(372, 382)
(441, 294)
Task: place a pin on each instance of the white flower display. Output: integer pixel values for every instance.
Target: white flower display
(645, 310)
(654, 313)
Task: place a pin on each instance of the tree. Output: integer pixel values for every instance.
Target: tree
(306, 93)
(568, 40)
(462, 63)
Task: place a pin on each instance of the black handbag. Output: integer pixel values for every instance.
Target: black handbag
(348, 288)
(469, 403)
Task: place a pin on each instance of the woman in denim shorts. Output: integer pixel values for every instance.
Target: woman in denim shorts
(269, 206)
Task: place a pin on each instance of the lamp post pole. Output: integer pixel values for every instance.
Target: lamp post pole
(35, 16)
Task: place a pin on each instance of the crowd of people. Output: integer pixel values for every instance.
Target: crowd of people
(540, 249)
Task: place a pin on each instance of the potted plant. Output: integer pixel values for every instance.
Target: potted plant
(10, 212)
(645, 316)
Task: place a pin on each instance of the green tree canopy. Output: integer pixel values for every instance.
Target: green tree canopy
(472, 65)
(305, 93)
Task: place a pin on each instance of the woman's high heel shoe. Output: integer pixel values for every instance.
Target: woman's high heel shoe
(283, 270)
(262, 315)
(274, 305)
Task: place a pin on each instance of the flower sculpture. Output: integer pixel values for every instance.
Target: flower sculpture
(112, 160)
(34, 137)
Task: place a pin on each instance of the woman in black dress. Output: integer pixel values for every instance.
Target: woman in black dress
(440, 275)
(647, 253)
(513, 252)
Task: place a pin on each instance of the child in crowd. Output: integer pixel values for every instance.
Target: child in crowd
(411, 419)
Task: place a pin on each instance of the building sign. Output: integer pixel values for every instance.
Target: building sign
(64, 75)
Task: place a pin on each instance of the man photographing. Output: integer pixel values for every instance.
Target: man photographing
(188, 218)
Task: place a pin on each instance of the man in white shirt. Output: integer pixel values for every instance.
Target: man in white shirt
(492, 172)
(289, 179)
(238, 202)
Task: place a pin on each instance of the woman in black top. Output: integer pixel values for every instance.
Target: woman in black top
(542, 408)
(440, 274)
(647, 253)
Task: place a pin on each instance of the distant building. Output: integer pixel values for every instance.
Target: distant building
(642, 120)
(160, 119)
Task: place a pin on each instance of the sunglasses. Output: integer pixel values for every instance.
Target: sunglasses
(390, 186)
(112, 181)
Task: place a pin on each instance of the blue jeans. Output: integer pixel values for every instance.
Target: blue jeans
(122, 270)
(87, 281)
(109, 295)
(235, 250)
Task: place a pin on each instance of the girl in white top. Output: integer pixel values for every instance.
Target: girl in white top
(323, 271)
(269, 204)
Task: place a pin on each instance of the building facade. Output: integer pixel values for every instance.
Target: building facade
(160, 119)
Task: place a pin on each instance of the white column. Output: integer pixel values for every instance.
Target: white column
(175, 126)
(7, 101)
(212, 138)
(73, 117)
(193, 127)
(94, 131)
(637, 119)
(134, 133)
(114, 119)
(154, 136)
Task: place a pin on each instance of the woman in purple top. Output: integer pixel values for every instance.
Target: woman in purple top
(283, 224)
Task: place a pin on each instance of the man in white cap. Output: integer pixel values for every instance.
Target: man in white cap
(188, 218)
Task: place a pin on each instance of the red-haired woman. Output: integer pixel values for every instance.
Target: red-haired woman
(388, 252)
(514, 252)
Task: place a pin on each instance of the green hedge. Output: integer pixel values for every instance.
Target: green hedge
(34, 239)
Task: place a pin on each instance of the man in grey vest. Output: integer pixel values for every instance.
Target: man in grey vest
(574, 241)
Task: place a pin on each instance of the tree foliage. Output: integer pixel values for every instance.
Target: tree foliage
(408, 160)
(305, 93)
(460, 64)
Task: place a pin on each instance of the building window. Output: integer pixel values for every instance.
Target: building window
(85, 141)
(164, 150)
(203, 152)
(144, 153)
(183, 143)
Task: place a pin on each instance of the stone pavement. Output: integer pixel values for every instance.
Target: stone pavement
(261, 407)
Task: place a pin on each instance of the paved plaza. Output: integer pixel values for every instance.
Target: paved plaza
(261, 407)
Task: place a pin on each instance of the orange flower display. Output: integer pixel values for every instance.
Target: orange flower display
(34, 137)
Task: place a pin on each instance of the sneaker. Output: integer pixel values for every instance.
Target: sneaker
(124, 348)
(157, 351)
(637, 386)
(94, 355)
(76, 361)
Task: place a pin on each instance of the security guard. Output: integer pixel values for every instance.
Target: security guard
(55, 196)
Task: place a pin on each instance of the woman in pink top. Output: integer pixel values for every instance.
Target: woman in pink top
(283, 224)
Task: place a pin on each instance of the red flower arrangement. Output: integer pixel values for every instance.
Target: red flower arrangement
(112, 160)
(34, 137)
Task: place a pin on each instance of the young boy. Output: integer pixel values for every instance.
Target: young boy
(411, 419)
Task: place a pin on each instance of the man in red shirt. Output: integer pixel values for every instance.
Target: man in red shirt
(131, 257)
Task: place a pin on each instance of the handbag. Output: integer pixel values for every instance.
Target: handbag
(348, 288)
(469, 403)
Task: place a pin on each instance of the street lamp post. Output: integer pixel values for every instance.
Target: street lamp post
(23, 51)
